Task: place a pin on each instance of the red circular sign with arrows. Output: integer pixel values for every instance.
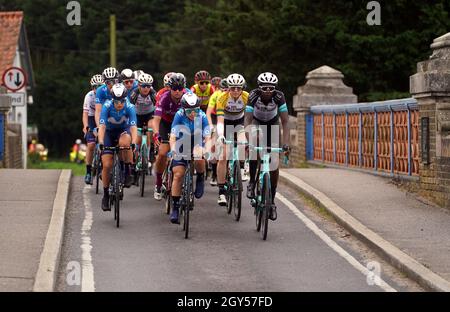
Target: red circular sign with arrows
(14, 79)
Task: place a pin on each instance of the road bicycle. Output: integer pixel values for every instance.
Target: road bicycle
(263, 200)
(144, 158)
(97, 167)
(116, 182)
(187, 193)
(233, 184)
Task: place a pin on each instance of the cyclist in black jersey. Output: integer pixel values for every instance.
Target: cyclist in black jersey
(265, 107)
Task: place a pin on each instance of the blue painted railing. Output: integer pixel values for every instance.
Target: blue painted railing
(382, 136)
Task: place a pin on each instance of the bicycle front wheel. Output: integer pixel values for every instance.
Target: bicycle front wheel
(265, 205)
(237, 191)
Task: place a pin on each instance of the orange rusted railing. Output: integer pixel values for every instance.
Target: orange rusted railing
(381, 136)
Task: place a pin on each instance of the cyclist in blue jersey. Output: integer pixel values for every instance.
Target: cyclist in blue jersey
(110, 77)
(89, 124)
(117, 127)
(128, 80)
(190, 131)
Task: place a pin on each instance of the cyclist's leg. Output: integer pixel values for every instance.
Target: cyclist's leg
(200, 167)
(126, 156)
(161, 159)
(178, 170)
(254, 159)
(222, 171)
(213, 161)
(107, 163)
(274, 134)
(90, 142)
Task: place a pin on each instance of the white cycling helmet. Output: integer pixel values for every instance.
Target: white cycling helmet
(137, 73)
(119, 91)
(190, 100)
(96, 80)
(167, 78)
(110, 73)
(126, 74)
(236, 80)
(267, 79)
(145, 78)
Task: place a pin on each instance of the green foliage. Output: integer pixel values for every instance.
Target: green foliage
(287, 37)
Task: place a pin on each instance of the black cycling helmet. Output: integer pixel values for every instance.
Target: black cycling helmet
(177, 80)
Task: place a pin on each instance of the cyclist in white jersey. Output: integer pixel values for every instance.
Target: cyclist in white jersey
(89, 125)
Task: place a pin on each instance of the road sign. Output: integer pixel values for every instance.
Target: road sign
(17, 99)
(14, 79)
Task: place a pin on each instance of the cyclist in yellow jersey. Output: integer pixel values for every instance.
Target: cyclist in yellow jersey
(212, 119)
(230, 109)
(203, 88)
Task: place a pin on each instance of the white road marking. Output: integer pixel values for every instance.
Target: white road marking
(87, 283)
(333, 245)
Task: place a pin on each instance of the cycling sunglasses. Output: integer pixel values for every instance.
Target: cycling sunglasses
(113, 81)
(267, 88)
(177, 88)
(128, 81)
(235, 88)
(118, 102)
(203, 82)
(189, 111)
(145, 86)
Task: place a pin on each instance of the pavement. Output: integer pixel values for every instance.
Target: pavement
(412, 234)
(31, 204)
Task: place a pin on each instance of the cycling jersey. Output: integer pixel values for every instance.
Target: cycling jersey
(115, 120)
(134, 87)
(230, 108)
(160, 93)
(143, 104)
(102, 94)
(266, 112)
(213, 100)
(89, 103)
(203, 96)
(166, 108)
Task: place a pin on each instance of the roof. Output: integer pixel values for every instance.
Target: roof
(10, 26)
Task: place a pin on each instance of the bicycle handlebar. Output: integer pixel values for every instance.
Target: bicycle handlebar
(116, 148)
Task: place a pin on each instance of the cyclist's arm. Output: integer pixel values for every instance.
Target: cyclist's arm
(101, 134)
(133, 122)
(220, 126)
(208, 115)
(172, 141)
(284, 116)
(156, 123)
(98, 111)
(134, 134)
(85, 121)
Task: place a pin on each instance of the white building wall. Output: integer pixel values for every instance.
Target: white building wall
(18, 114)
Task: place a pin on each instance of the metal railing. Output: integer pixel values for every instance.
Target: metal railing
(382, 136)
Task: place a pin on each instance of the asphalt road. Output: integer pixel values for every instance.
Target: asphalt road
(148, 253)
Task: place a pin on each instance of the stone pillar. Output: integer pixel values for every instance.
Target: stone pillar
(324, 86)
(5, 106)
(431, 87)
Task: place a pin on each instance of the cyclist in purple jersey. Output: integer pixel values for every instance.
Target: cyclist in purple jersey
(165, 111)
